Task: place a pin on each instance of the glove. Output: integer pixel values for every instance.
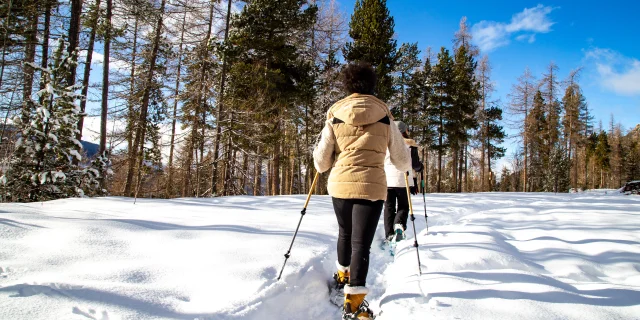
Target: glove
(413, 190)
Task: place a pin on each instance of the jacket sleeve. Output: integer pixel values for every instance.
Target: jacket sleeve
(398, 152)
(324, 151)
(415, 160)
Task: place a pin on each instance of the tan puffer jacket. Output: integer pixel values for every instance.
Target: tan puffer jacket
(358, 131)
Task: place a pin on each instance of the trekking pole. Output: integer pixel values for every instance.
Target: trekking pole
(413, 220)
(304, 210)
(424, 201)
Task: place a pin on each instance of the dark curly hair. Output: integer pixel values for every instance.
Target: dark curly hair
(359, 77)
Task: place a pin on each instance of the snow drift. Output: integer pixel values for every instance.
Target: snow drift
(485, 256)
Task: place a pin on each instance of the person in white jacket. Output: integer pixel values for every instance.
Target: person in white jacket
(395, 220)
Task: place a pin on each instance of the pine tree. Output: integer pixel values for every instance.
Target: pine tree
(148, 85)
(43, 164)
(422, 89)
(505, 180)
(372, 31)
(557, 178)
(461, 115)
(537, 123)
(494, 136)
(602, 154)
(406, 69)
(553, 108)
(442, 102)
(268, 79)
(632, 155)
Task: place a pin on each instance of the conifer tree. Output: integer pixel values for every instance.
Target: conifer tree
(372, 31)
(408, 62)
(557, 176)
(494, 136)
(537, 122)
(550, 89)
(461, 115)
(572, 122)
(268, 76)
(602, 154)
(442, 102)
(43, 165)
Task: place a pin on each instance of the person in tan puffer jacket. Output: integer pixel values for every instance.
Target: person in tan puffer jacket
(354, 141)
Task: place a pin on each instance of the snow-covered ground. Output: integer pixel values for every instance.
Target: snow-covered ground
(485, 256)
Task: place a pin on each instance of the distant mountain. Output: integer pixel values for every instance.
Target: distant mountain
(90, 148)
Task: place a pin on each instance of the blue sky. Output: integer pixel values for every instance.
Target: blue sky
(599, 36)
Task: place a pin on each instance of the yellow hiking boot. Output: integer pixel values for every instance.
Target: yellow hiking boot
(341, 277)
(336, 287)
(355, 306)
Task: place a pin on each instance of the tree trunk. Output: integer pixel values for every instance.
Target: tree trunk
(454, 167)
(257, 175)
(269, 186)
(227, 173)
(439, 182)
(138, 145)
(130, 116)
(175, 108)
(489, 165)
(74, 35)
(105, 80)
(223, 77)
(460, 167)
(245, 173)
(87, 72)
(31, 37)
(526, 156)
(4, 44)
(45, 45)
(483, 156)
(275, 188)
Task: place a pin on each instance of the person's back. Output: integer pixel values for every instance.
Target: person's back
(361, 126)
(358, 131)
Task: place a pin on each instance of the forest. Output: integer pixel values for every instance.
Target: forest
(203, 98)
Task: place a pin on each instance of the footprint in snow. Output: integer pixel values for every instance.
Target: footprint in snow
(91, 314)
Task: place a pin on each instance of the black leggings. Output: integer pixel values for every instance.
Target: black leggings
(358, 220)
(390, 215)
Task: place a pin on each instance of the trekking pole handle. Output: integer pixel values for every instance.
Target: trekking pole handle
(313, 186)
(406, 181)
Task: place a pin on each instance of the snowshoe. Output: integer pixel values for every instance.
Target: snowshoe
(399, 233)
(389, 244)
(336, 289)
(362, 313)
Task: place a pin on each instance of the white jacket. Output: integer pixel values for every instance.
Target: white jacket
(395, 177)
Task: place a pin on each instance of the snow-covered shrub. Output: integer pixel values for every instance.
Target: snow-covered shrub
(43, 166)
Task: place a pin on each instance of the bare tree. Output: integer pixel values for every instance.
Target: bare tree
(521, 97)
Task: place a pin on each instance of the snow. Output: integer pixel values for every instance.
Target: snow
(485, 256)
(75, 153)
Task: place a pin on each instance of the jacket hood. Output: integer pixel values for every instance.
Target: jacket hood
(359, 109)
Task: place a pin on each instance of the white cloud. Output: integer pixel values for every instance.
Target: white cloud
(531, 38)
(616, 72)
(489, 35)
